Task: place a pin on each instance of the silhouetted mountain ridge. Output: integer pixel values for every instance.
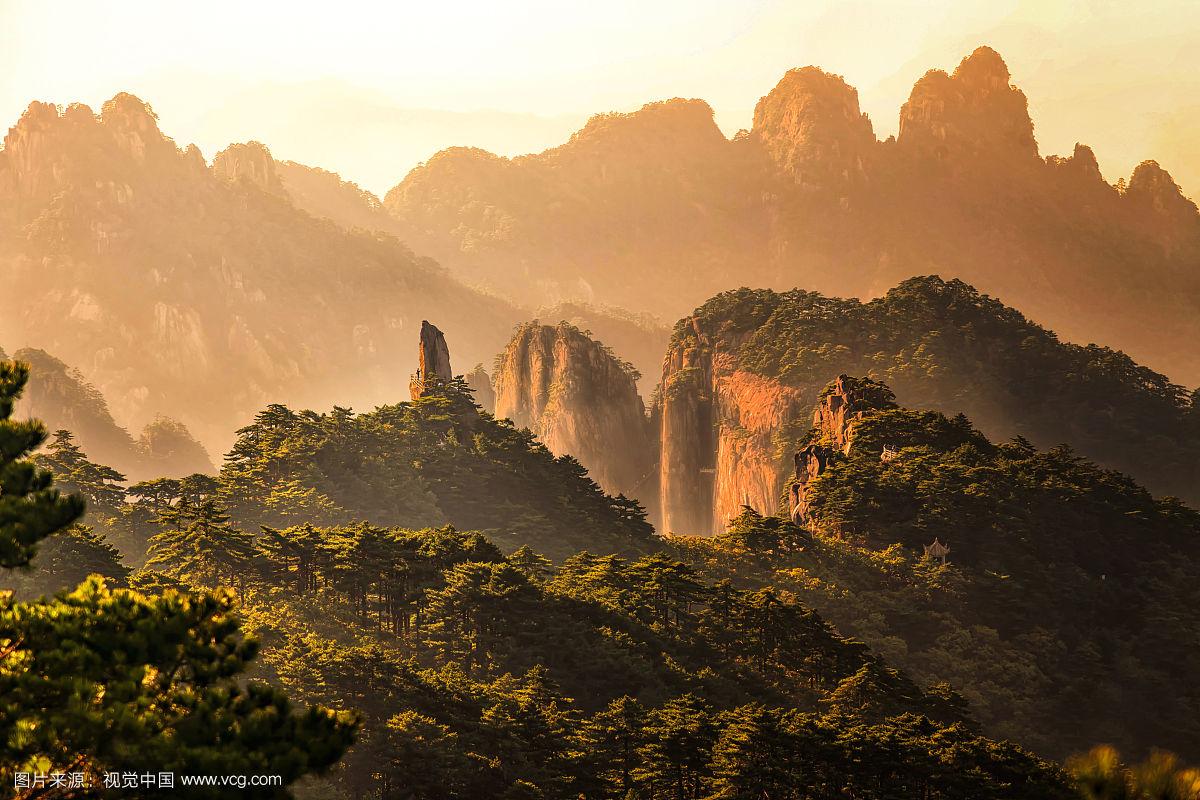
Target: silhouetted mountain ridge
(201, 292)
(655, 210)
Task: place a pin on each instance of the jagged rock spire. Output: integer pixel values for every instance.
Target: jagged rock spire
(844, 401)
(433, 361)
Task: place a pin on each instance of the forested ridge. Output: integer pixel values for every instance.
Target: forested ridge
(485, 622)
(944, 345)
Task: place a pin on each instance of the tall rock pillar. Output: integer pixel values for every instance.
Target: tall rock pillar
(433, 361)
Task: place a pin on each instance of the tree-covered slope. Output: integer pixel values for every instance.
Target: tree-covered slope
(437, 459)
(943, 345)
(1067, 613)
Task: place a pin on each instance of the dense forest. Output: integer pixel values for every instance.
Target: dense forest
(1067, 613)
(422, 602)
(944, 345)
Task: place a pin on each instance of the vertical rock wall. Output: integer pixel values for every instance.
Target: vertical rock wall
(581, 400)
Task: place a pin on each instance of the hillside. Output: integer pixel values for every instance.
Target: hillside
(205, 293)
(62, 398)
(1067, 609)
(743, 372)
(656, 209)
(1064, 614)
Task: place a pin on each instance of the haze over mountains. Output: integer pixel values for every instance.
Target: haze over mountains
(204, 292)
(657, 210)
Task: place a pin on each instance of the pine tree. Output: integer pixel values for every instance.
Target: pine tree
(100, 680)
(67, 558)
(677, 756)
(75, 473)
(201, 545)
(535, 566)
(30, 508)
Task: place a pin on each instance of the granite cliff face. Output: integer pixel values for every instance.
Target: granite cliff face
(655, 210)
(719, 430)
(200, 293)
(734, 411)
(479, 382)
(579, 399)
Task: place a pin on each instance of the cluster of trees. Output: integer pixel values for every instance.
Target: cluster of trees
(462, 665)
(480, 675)
(1066, 614)
(101, 680)
(439, 459)
(943, 345)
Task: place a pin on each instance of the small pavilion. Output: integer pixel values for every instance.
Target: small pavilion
(937, 550)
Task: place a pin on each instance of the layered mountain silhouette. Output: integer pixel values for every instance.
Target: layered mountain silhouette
(61, 398)
(657, 210)
(741, 375)
(205, 292)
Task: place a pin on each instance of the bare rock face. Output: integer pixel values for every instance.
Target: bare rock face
(717, 428)
(842, 403)
(250, 162)
(813, 130)
(433, 361)
(479, 382)
(580, 400)
(973, 112)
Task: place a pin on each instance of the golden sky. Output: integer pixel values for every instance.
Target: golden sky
(369, 89)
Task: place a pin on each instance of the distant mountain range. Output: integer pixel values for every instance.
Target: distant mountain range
(657, 210)
(204, 292)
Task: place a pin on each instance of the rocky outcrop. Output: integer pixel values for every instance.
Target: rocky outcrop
(479, 382)
(718, 430)
(433, 362)
(971, 113)
(813, 130)
(580, 400)
(842, 403)
(1153, 187)
(250, 162)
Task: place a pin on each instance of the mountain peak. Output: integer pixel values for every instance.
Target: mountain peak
(250, 162)
(812, 128)
(974, 111)
(127, 109)
(984, 68)
(1152, 185)
(664, 127)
